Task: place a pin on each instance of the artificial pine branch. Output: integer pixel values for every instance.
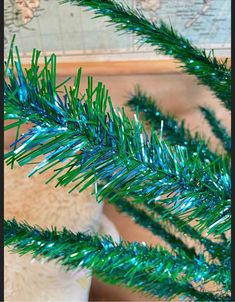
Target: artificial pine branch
(206, 68)
(153, 270)
(218, 129)
(145, 217)
(174, 133)
(145, 220)
(217, 250)
(97, 144)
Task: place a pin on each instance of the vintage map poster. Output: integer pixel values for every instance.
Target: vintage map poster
(69, 30)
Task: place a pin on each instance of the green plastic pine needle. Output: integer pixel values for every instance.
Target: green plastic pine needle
(217, 128)
(217, 250)
(173, 132)
(205, 67)
(145, 220)
(90, 140)
(150, 269)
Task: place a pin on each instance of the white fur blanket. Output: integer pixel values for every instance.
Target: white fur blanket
(32, 200)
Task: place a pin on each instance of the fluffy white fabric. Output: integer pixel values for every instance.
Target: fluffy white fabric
(32, 200)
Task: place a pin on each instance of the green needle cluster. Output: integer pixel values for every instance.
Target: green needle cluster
(152, 270)
(160, 177)
(86, 140)
(218, 129)
(205, 67)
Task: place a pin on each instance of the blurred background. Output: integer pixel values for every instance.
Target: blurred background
(120, 63)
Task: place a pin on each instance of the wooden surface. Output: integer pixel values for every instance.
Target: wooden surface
(119, 67)
(176, 93)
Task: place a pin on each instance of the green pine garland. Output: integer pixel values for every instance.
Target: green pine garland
(206, 68)
(147, 221)
(174, 133)
(145, 216)
(152, 270)
(218, 129)
(85, 140)
(219, 250)
(97, 144)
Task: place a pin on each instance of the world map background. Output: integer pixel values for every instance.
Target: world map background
(68, 30)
